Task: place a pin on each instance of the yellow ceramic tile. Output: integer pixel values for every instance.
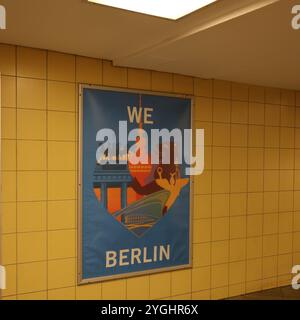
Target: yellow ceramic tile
(203, 183)
(219, 275)
(8, 249)
(237, 272)
(256, 113)
(61, 126)
(296, 237)
(257, 94)
(61, 185)
(253, 286)
(287, 116)
(183, 84)
(25, 97)
(42, 295)
(239, 135)
(238, 204)
(201, 230)
(238, 158)
(285, 243)
(220, 293)
(11, 281)
(284, 280)
(296, 177)
(8, 217)
(220, 205)
(286, 201)
(297, 159)
(61, 273)
(272, 137)
(297, 120)
(32, 246)
(8, 123)
(270, 223)
(288, 98)
(237, 289)
(256, 136)
(31, 155)
(114, 290)
(61, 66)
(9, 189)
(220, 158)
(182, 297)
(271, 201)
(139, 79)
(62, 294)
(253, 269)
(61, 244)
(255, 181)
(297, 200)
(298, 98)
(203, 109)
(200, 279)
(287, 138)
(8, 91)
(287, 159)
(31, 124)
(271, 159)
(8, 155)
(222, 89)
(237, 227)
(61, 214)
(238, 181)
(201, 295)
(161, 81)
(160, 285)
(272, 115)
(138, 288)
(201, 254)
(297, 138)
(32, 216)
(203, 87)
(270, 245)
(237, 250)
(114, 76)
(32, 277)
(272, 95)
(202, 206)
(31, 63)
(220, 181)
(181, 282)
(88, 292)
(285, 263)
(7, 59)
(61, 155)
(239, 112)
(88, 70)
(240, 92)
(219, 252)
(221, 110)
(254, 247)
(254, 225)
(31, 186)
(207, 127)
(269, 267)
(61, 96)
(255, 203)
(296, 226)
(286, 180)
(220, 229)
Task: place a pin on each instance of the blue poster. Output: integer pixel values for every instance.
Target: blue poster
(134, 191)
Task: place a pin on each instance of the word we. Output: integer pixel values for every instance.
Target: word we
(296, 279)
(139, 152)
(2, 17)
(296, 18)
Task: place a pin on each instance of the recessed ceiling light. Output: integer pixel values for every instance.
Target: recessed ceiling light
(170, 9)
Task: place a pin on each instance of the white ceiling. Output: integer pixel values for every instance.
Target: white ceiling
(248, 41)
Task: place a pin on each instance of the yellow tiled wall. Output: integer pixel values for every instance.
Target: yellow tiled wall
(246, 219)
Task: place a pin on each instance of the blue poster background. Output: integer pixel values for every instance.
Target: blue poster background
(100, 230)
